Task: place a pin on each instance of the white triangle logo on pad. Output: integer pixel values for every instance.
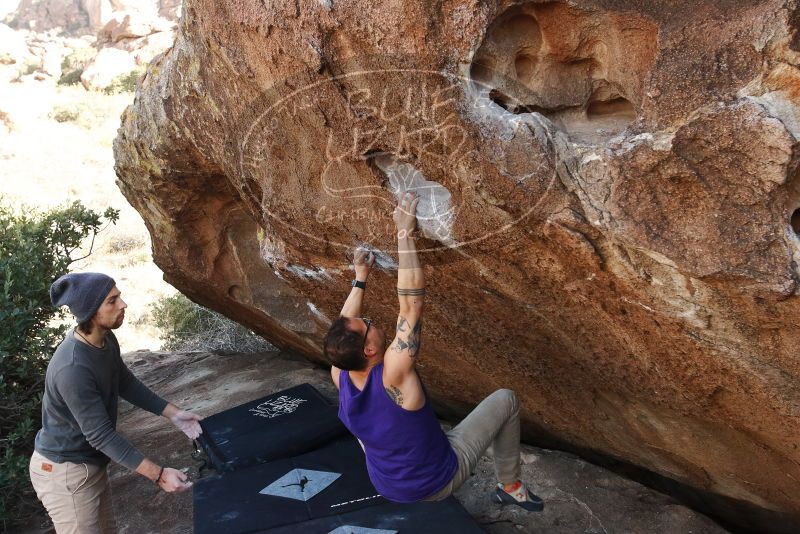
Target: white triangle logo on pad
(300, 484)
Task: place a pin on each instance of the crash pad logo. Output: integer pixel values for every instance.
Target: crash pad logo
(301, 484)
(283, 405)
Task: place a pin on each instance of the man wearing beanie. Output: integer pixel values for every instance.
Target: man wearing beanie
(84, 381)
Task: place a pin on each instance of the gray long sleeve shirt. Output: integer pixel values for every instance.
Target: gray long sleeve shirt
(79, 409)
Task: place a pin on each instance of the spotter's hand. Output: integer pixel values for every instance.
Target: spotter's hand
(173, 481)
(187, 422)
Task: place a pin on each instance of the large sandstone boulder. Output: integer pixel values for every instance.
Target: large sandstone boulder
(610, 209)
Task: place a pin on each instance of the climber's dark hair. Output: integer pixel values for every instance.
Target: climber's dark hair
(344, 348)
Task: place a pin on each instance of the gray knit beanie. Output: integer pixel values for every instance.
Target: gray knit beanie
(82, 292)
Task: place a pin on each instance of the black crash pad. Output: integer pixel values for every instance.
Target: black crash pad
(447, 516)
(280, 425)
(331, 480)
(286, 464)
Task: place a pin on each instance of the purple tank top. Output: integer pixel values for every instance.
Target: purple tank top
(408, 455)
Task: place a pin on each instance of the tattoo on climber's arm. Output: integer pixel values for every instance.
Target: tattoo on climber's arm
(415, 339)
(395, 394)
(401, 324)
(400, 345)
(412, 342)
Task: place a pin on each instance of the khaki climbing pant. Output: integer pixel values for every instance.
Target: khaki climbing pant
(77, 496)
(494, 422)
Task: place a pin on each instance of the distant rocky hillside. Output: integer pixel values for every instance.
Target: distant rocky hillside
(94, 41)
(81, 17)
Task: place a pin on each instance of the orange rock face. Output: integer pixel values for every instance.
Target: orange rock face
(609, 217)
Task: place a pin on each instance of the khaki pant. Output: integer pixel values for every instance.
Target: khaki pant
(77, 496)
(494, 422)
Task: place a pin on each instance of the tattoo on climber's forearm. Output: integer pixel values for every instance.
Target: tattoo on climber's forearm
(395, 394)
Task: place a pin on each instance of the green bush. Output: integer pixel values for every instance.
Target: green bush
(35, 249)
(186, 326)
(74, 63)
(125, 83)
(65, 114)
(72, 77)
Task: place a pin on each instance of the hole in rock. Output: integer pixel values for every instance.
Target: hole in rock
(372, 153)
(509, 104)
(795, 221)
(516, 32)
(372, 156)
(524, 66)
(501, 100)
(618, 108)
(235, 292)
(582, 69)
(481, 70)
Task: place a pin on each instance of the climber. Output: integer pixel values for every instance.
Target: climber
(83, 383)
(384, 404)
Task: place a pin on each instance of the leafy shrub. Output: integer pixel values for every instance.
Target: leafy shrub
(125, 83)
(72, 77)
(74, 63)
(126, 243)
(188, 326)
(35, 249)
(65, 114)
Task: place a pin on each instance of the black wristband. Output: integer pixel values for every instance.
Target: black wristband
(158, 480)
(359, 283)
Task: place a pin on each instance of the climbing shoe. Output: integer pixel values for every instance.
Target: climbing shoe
(532, 503)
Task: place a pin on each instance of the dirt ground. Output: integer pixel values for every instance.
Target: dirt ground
(579, 497)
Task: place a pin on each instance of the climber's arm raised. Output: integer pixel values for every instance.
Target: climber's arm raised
(402, 352)
(363, 260)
